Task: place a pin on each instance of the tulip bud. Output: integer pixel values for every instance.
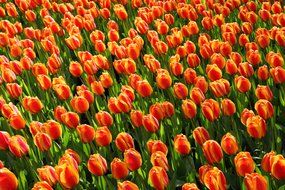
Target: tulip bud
(47, 174)
(158, 178)
(18, 146)
(4, 140)
(180, 90)
(144, 88)
(256, 126)
(242, 84)
(150, 123)
(214, 178)
(42, 185)
(229, 144)
(17, 122)
(70, 119)
(68, 175)
(163, 81)
(213, 72)
(14, 90)
(244, 163)
(263, 73)
(189, 75)
(136, 118)
(264, 108)
(278, 74)
(189, 108)
(210, 109)
(212, 151)
(189, 186)
(58, 111)
(266, 161)
(201, 135)
(124, 141)
(157, 111)
(278, 167)
(133, 159)
(104, 118)
(103, 136)
(181, 144)
(263, 92)
(79, 104)
(228, 107)
(156, 145)
(255, 181)
(245, 115)
(119, 169)
(86, 133)
(158, 158)
(42, 141)
(127, 185)
(97, 165)
(8, 180)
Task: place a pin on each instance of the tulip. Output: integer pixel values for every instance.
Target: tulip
(201, 135)
(189, 75)
(157, 111)
(48, 174)
(124, 141)
(256, 126)
(158, 158)
(104, 118)
(220, 87)
(189, 186)
(136, 117)
(106, 80)
(278, 167)
(244, 163)
(52, 128)
(213, 72)
(127, 185)
(8, 179)
(212, 151)
(18, 146)
(97, 165)
(197, 95)
(119, 169)
(255, 181)
(210, 109)
(4, 140)
(79, 104)
(44, 82)
(133, 159)
(228, 107)
(266, 161)
(103, 136)
(58, 111)
(17, 122)
(200, 82)
(278, 74)
(264, 108)
(168, 109)
(144, 88)
(245, 115)
(86, 133)
(42, 185)
(180, 90)
(42, 141)
(68, 175)
(70, 119)
(215, 179)
(163, 81)
(181, 144)
(75, 69)
(263, 92)
(156, 145)
(229, 144)
(189, 108)
(242, 84)
(158, 178)
(14, 90)
(193, 60)
(263, 73)
(150, 123)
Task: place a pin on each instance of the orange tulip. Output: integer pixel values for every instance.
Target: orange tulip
(244, 163)
(48, 174)
(70, 119)
(103, 136)
(17, 121)
(18, 146)
(8, 180)
(119, 169)
(263, 92)
(124, 141)
(143, 88)
(278, 74)
(158, 178)
(215, 179)
(213, 72)
(200, 82)
(158, 158)
(136, 117)
(255, 181)
(189, 108)
(44, 82)
(242, 84)
(266, 161)
(189, 75)
(193, 60)
(4, 140)
(42, 141)
(75, 69)
(133, 159)
(210, 109)
(68, 175)
(97, 165)
(256, 126)
(168, 109)
(163, 80)
(150, 123)
(220, 87)
(278, 167)
(86, 133)
(181, 144)
(106, 80)
(201, 135)
(35, 127)
(228, 107)
(264, 108)
(14, 90)
(127, 185)
(79, 104)
(156, 145)
(189, 186)
(180, 90)
(229, 144)
(212, 151)
(62, 91)
(104, 118)
(42, 185)
(245, 69)
(120, 11)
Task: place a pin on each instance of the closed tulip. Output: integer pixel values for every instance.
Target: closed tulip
(127, 185)
(42, 141)
(48, 174)
(256, 126)
(119, 169)
(181, 144)
(133, 159)
(201, 135)
(210, 109)
(189, 186)
(158, 158)
(104, 118)
(189, 108)
(103, 136)
(86, 133)
(150, 123)
(229, 144)
(4, 140)
(79, 104)
(42, 185)
(212, 151)
(68, 175)
(244, 163)
(8, 180)
(124, 141)
(266, 161)
(156, 145)
(97, 165)
(228, 107)
(255, 181)
(278, 167)
(158, 178)
(264, 108)
(18, 146)
(70, 119)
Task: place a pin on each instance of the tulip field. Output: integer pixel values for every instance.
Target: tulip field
(142, 94)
